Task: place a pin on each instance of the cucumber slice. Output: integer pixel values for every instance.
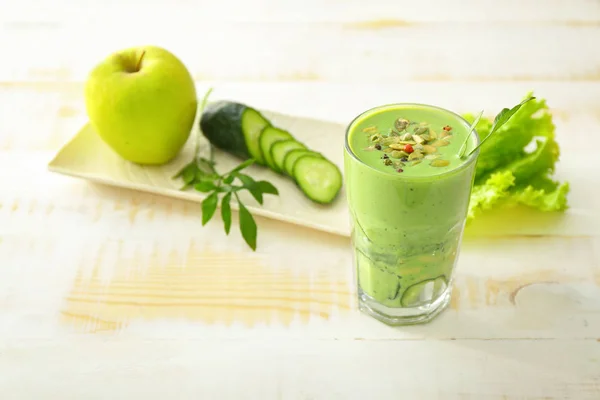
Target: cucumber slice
(318, 178)
(293, 156)
(234, 128)
(424, 291)
(268, 137)
(281, 148)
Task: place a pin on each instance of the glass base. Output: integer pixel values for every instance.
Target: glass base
(398, 316)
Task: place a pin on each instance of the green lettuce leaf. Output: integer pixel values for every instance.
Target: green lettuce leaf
(490, 193)
(508, 144)
(553, 200)
(507, 174)
(539, 162)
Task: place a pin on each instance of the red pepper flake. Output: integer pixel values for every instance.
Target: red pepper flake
(447, 128)
(408, 148)
(400, 170)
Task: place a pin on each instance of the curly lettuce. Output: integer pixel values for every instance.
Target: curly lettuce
(507, 174)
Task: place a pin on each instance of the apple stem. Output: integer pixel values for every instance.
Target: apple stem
(139, 63)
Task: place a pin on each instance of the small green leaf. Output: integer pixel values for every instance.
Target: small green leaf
(247, 180)
(226, 212)
(205, 186)
(230, 188)
(267, 187)
(502, 117)
(207, 166)
(209, 205)
(200, 175)
(247, 226)
(257, 194)
(250, 184)
(180, 173)
(229, 179)
(189, 175)
(243, 165)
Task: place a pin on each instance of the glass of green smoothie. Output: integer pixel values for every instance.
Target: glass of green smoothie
(408, 193)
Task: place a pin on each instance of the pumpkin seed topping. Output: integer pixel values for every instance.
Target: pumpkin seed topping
(429, 149)
(415, 155)
(401, 124)
(402, 148)
(440, 163)
(407, 136)
(440, 143)
(421, 130)
(418, 139)
(376, 138)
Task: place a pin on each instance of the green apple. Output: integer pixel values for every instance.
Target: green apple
(142, 103)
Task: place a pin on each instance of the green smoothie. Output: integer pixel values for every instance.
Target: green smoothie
(408, 193)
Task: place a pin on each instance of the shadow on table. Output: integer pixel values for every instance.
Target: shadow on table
(524, 221)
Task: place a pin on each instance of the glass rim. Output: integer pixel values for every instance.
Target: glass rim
(466, 164)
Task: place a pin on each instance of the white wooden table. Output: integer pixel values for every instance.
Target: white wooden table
(114, 294)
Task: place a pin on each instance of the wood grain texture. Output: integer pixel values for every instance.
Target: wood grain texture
(342, 42)
(308, 369)
(108, 293)
(334, 52)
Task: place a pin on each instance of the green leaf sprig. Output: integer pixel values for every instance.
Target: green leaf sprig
(201, 175)
(502, 117)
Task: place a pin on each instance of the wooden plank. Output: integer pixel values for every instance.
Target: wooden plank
(56, 110)
(143, 264)
(379, 13)
(337, 52)
(298, 368)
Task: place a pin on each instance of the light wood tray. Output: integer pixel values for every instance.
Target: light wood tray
(87, 156)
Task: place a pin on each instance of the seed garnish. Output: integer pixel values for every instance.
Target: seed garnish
(429, 149)
(409, 142)
(440, 163)
(401, 124)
